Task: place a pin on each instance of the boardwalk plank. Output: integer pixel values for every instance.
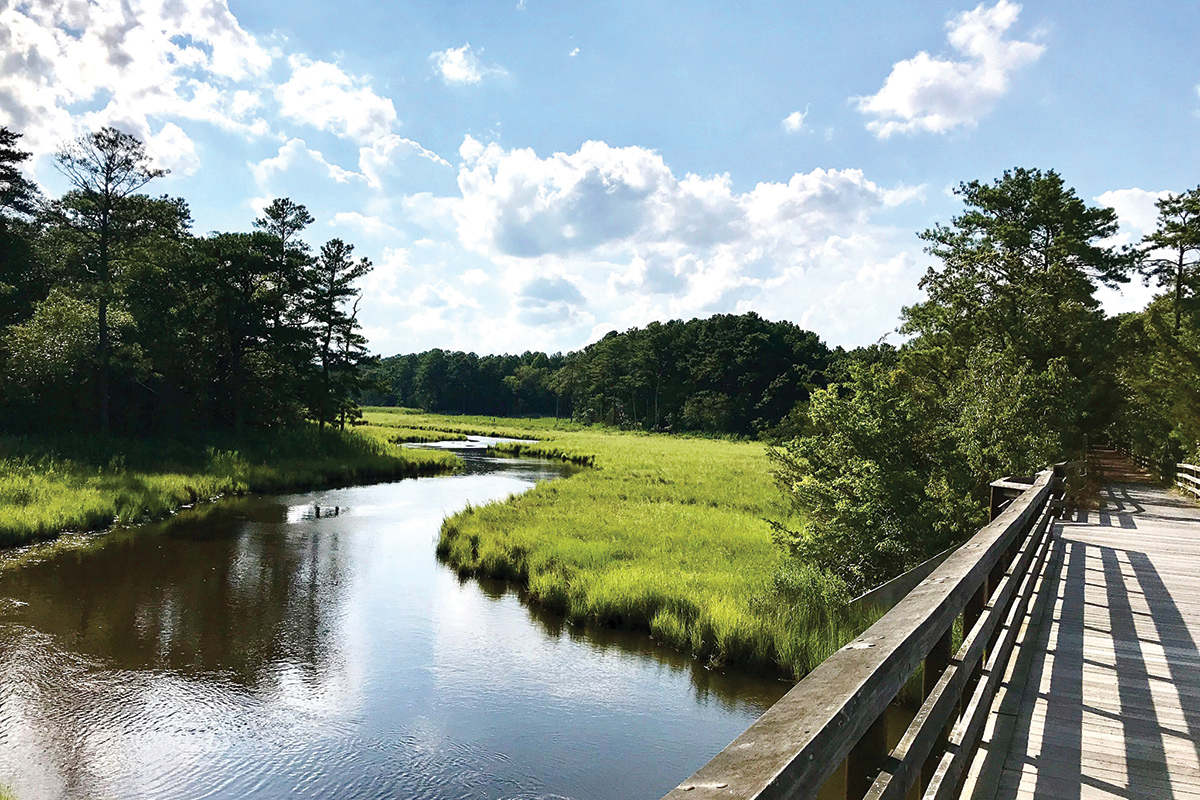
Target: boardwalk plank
(1102, 698)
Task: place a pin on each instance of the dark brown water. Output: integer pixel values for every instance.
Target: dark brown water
(312, 646)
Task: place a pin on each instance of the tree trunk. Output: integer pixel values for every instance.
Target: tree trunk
(102, 378)
(1178, 289)
(102, 316)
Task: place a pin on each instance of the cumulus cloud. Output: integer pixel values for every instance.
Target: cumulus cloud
(547, 300)
(384, 152)
(322, 95)
(1136, 216)
(613, 235)
(461, 65)
(371, 226)
(794, 122)
(1135, 209)
(134, 62)
(295, 152)
(601, 197)
(934, 94)
(172, 149)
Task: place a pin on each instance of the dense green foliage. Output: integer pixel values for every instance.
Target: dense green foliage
(1158, 350)
(1009, 368)
(114, 316)
(737, 374)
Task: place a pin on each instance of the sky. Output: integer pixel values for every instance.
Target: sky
(529, 175)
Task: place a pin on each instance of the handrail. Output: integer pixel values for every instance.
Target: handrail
(1187, 478)
(836, 712)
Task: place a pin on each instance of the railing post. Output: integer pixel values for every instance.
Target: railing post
(935, 664)
(971, 614)
(865, 759)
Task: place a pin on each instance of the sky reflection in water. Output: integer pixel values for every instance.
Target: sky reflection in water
(311, 645)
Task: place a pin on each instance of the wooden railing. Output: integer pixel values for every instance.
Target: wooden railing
(1187, 478)
(836, 713)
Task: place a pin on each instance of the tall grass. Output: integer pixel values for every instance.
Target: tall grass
(666, 534)
(50, 485)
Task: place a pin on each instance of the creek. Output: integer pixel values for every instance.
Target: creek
(311, 645)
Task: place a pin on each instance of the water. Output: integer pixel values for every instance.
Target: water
(311, 645)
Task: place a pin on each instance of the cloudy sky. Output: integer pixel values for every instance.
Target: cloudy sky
(528, 174)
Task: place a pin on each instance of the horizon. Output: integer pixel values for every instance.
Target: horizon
(527, 177)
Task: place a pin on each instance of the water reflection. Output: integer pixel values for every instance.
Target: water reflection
(311, 645)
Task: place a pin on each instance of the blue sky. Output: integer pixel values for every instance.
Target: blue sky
(531, 175)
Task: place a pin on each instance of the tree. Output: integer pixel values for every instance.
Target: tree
(21, 281)
(106, 168)
(236, 298)
(18, 194)
(1171, 253)
(284, 220)
(874, 486)
(1019, 271)
(339, 347)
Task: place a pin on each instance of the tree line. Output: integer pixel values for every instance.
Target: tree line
(115, 316)
(736, 374)
(1011, 365)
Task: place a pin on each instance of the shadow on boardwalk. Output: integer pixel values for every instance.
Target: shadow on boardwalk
(1103, 699)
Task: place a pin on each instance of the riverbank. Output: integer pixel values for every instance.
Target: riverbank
(51, 485)
(664, 533)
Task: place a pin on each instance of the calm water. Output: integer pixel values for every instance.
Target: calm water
(311, 645)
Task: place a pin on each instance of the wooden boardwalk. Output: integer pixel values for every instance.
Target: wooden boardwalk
(1102, 698)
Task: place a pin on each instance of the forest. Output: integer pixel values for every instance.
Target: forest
(726, 374)
(117, 318)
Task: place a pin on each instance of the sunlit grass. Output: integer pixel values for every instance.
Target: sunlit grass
(48, 486)
(665, 533)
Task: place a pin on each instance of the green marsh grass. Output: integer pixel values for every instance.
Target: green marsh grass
(48, 485)
(664, 533)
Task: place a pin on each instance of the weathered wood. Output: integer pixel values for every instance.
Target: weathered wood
(1107, 698)
(917, 745)
(886, 595)
(965, 737)
(865, 758)
(800, 741)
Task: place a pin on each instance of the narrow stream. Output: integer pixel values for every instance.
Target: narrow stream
(311, 645)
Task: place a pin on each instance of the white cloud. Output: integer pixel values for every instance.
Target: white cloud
(381, 154)
(371, 226)
(794, 122)
(574, 52)
(1135, 209)
(607, 237)
(292, 153)
(320, 94)
(460, 65)
(517, 204)
(132, 62)
(1136, 216)
(173, 149)
(935, 95)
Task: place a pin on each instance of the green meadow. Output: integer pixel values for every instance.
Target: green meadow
(662, 533)
(48, 486)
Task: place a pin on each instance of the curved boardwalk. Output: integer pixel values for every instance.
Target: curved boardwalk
(1103, 697)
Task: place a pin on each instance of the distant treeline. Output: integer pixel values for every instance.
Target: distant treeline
(114, 316)
(725, 374)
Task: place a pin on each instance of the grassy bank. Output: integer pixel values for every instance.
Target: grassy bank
(665, 533)
(49, 485)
